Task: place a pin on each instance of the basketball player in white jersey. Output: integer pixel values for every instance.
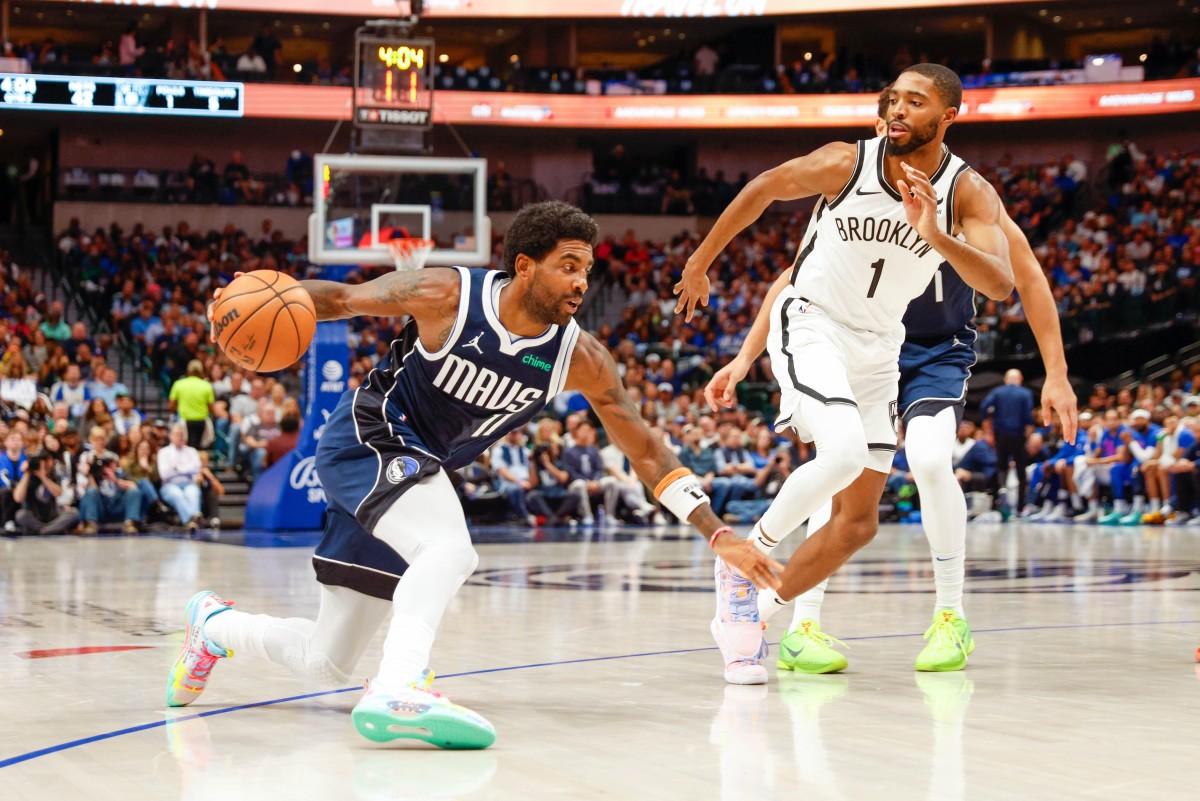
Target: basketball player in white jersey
(935, 363)
(484, 352)
(889, 212)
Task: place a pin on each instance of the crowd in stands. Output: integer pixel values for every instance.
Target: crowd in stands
(1134, 461)
(1120, 250)
(708, 68)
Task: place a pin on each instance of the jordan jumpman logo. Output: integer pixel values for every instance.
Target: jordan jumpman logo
(474, 343)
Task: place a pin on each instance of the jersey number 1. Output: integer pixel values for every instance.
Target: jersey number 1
(878, 268)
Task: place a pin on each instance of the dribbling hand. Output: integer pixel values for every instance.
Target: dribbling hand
(749, 561)
(209, 311)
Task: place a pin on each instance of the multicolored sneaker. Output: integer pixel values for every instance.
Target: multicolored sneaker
(189, 674)
(740, 669)
(737, 610)
(418, 713)
(950, 642)
(807, 649)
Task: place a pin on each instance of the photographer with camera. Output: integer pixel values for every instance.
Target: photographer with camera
(110, 496)
(41, 498)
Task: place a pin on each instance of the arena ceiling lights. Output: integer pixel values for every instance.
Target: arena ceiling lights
(527, 9)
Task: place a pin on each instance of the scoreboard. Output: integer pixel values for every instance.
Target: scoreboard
(34, 92)
(393, 81)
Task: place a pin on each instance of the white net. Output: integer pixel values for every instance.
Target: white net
(410, 253)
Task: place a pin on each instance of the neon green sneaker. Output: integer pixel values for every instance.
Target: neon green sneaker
(950, 642)
(807, 649)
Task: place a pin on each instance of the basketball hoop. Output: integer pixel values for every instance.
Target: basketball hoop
(410, 254)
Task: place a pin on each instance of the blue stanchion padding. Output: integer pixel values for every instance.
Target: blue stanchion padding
(288, 495)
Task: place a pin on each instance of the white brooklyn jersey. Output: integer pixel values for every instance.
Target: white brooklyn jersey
(862, 261)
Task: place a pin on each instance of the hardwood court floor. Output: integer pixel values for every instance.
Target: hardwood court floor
(593, 659)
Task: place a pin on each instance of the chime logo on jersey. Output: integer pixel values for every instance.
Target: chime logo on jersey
(480, 386)
(401, 468)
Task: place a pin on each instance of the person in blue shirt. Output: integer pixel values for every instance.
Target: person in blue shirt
(1011, 408)
(1174, 441)
(588, 477)
(976, 470)
(1067, 469)
(1107, 464)
(1141, 440)
(1184, 474)
(13, 465)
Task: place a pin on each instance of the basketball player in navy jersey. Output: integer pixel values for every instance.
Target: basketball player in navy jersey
(484, 353)
(889, 212)
(935, 365)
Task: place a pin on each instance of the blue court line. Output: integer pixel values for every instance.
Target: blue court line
(53, 749)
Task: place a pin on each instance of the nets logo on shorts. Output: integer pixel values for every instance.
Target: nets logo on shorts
(401, 468)
(894, 413)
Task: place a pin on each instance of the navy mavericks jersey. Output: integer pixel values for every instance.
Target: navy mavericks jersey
(945, 308)
(455, 403)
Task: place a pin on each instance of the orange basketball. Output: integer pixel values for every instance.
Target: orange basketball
(264, 321)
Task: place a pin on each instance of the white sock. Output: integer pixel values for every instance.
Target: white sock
(948, 573)
(1152, 507)
(808, 604)
(1167, 509)
(405, 654)
(762, 541)
(769, 603)
(242, 633)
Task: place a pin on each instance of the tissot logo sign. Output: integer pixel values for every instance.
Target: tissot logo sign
(390, 116)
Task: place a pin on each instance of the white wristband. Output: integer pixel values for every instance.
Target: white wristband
(680, 492)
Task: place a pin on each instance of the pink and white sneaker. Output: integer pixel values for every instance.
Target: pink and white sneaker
(189, 674)
(737, 628)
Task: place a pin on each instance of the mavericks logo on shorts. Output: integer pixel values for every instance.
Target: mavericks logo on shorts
(401, 468)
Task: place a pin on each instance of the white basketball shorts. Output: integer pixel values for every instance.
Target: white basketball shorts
(814, 355)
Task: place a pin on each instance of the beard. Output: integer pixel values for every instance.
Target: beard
(544, 304)
(917, 139)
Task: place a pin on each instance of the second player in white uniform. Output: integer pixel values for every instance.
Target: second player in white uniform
(890, 212)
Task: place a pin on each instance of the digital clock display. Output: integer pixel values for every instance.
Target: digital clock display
(393, 82)
(121, 95)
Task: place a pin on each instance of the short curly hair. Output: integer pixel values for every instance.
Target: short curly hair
(945, 81)
(539, 227)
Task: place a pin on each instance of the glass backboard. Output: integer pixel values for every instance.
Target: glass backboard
(361, 202)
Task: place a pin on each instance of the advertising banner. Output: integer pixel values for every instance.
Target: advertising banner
(288, 495)
(738, 111)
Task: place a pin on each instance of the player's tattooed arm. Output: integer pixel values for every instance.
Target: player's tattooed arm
(429, 295)
(594, 373)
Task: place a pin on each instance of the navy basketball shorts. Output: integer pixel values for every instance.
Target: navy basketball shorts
(362, 479)
(934, 374)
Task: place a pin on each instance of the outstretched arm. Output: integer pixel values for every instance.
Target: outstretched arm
(722, 388)
(825, 171)
(595, 375)
(1042, 314)
(419, 293)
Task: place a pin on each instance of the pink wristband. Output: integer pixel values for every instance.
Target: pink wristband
(722, 530)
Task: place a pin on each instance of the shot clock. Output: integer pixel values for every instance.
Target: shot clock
(393, 85)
